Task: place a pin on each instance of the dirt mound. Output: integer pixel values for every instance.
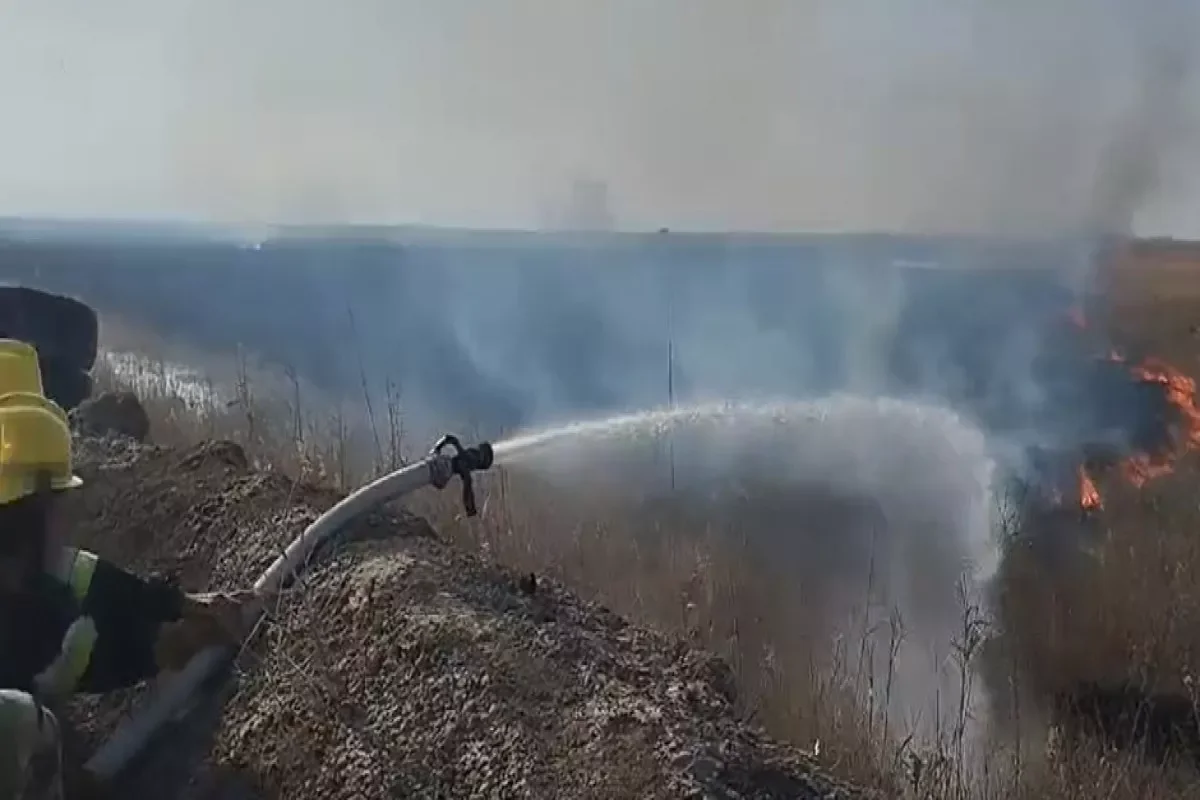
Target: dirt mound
(402, 667)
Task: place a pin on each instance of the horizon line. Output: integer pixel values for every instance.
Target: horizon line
(262, 231)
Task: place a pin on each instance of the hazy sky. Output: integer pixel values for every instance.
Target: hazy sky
(1023, 115)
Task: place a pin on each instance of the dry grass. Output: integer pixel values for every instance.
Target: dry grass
(1130, 616)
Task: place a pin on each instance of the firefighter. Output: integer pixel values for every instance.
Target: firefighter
(69, 621)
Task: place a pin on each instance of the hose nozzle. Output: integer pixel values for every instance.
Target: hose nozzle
(465, 461)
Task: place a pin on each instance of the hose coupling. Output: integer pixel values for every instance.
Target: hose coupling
(464, 461)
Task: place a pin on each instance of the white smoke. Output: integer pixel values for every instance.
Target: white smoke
(912, 115)
(857, 505)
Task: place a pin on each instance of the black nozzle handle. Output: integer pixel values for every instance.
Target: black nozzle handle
(465, 461)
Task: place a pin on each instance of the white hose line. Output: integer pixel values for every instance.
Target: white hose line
(175, 695)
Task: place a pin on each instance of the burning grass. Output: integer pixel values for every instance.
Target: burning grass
(1083, 652)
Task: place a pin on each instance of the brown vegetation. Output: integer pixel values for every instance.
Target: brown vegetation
(1091, 663)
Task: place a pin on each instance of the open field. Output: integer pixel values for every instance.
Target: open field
(1126, 618)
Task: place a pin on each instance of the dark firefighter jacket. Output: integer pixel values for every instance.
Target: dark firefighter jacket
(88, 626)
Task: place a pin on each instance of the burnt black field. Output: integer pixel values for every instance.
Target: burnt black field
(512, 329)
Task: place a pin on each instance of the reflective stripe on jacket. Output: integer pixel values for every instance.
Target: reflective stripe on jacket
(75, 569)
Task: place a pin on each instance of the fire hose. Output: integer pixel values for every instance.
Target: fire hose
(175, 696)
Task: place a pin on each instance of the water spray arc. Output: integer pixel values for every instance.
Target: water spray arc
(858, 503)
(795, 441)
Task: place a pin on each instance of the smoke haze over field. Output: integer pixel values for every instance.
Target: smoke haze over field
(915, 115)
(1065, 120)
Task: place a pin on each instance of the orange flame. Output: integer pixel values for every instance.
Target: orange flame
(1141, 468)
(1180, 393)
(1089, 496)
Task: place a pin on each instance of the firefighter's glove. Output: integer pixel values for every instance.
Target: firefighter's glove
(208, 620)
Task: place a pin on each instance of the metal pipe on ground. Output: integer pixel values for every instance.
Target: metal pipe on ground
(175, 697)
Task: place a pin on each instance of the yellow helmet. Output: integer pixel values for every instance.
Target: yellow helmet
(19, 370)
(35, 445)
(21, 399)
